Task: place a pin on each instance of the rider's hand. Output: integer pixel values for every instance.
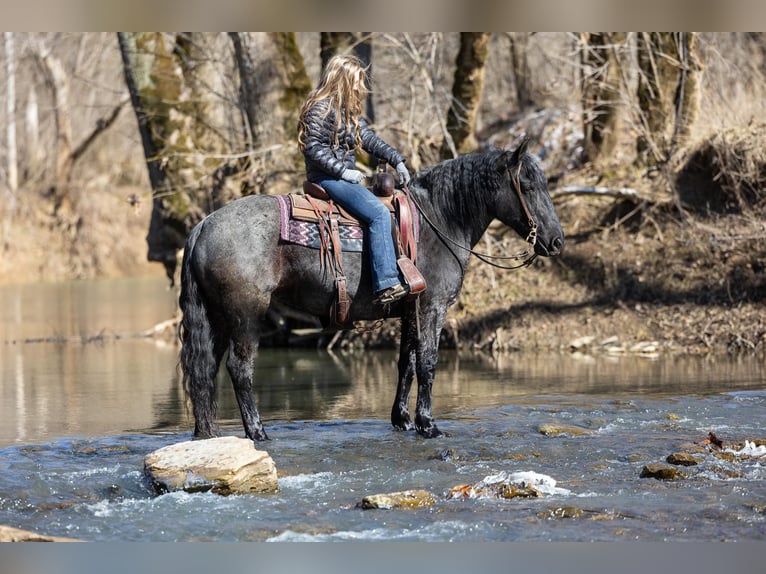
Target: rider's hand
(352, 175)
(404, 175)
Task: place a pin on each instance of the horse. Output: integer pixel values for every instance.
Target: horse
(235, 267)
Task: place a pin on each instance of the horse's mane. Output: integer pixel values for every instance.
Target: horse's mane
(460, 188)
(465, 186)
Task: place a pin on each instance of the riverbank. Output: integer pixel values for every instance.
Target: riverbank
(635, 274)
(691, 286)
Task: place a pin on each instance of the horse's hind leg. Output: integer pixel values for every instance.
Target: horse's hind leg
(242, 351)
(202, 394)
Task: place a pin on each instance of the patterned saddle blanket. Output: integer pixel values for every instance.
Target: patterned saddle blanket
(299, 222)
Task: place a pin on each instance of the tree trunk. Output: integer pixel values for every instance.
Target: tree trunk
(12, 170)
(600, 85)
(33, 165)
(66, 157)
(520, 66)
(58, 83)
(10, 108)
(667, 92)
(687, 92)
(165, 82)
(466, 93)
(273, 86)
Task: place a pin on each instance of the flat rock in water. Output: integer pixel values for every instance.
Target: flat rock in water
(225, 465)
(404, 499)
(10, 534)
(558, 430)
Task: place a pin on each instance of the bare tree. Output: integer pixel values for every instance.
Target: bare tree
(466, 93)
(667, 92)
(10, 108)
(57, 79)
(601, 87)
(519, 44)
(273, 86)
(11, 169)
(177, 141)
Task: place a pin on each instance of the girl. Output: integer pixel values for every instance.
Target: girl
(330, 128)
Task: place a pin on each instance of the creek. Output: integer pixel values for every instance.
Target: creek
(84, 400)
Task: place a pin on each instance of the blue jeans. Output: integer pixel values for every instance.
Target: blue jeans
(368, 209)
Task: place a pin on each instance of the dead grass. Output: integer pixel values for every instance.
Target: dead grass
(105, 239)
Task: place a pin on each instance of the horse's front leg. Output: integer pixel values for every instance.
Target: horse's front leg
(427, 357)
(400, 412)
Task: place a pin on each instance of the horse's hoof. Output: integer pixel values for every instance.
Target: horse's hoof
(431, 432)
(404, 426)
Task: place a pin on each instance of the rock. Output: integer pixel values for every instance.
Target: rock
(562, 512)
(660, 472)
(515, 485)
(404, 499)
(683, 459)
(9, 534)
(645, 348)
(225, 465)
(693, 448)
(727, 456)
(558, 430)
(495, 490)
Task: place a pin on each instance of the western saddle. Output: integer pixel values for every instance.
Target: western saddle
(317, 206)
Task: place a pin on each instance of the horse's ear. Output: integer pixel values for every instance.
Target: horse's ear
(520, 151)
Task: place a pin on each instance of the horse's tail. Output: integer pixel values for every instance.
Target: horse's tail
(197, 358)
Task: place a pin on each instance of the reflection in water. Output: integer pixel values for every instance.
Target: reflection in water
(62, 389)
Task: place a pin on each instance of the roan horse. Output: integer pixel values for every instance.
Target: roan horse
(234, 267)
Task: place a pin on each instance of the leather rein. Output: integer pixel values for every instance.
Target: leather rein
(525, 256)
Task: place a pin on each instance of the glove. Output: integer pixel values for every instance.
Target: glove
(352, 175)
(404, 175)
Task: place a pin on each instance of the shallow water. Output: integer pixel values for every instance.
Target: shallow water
(78, 418)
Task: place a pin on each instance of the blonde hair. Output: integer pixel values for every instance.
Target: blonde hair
(344, 86)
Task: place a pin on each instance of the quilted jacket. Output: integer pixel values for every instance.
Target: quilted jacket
(324, 159)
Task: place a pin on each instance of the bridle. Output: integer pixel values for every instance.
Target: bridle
(532, 235)
(526, 257)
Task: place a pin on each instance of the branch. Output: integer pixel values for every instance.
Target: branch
(617, 193)
(101, 125)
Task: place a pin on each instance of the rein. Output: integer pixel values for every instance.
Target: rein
(525, 256)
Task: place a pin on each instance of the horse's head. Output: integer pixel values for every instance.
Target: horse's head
(524, 204)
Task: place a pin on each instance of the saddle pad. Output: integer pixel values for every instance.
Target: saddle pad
(306, 233)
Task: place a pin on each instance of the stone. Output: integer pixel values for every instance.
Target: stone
(403, 499)
(660, 472)
(562, 512)
(560, 429)
(683, 459)
(224, 465)
(526, 484)
(10, 534)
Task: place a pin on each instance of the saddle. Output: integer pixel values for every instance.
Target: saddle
(316, 206)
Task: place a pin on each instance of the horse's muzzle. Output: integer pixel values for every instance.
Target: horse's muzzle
(551, 248)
